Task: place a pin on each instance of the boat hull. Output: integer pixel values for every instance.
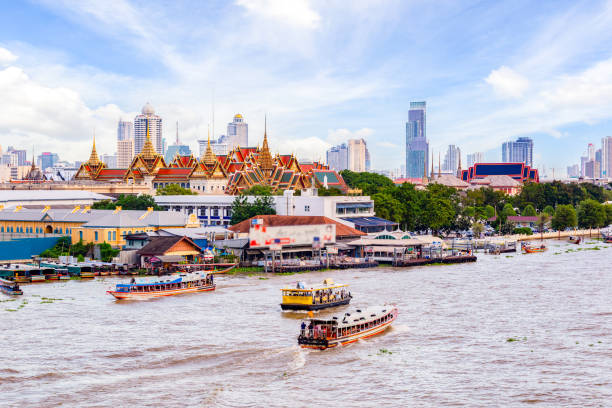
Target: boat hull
(322, 344)
(159, 293)
(37, 278)
(318, 306)
(22, 279)
(11, 292)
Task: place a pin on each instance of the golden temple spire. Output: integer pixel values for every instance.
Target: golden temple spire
(209, 157)
(265, 158)
(148, 151)
(94, 160)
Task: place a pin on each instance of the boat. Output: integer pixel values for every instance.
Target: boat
(63, 274)
(348, 328)
(86, 271)
(607, 236)
(170, 286)
(531, 249)
(574, 240)
(49, 273)
(315, 297)
(16, 273)
(10, 287)
(36, 275)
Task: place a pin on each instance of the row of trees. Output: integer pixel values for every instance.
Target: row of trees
(441, 208)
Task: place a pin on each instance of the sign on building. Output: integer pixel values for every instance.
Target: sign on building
(261, 236)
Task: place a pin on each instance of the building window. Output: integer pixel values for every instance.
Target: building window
(81, 235)
(215, 212)
(110, 235)
(306, 208)
(96, 236)
(114, 235)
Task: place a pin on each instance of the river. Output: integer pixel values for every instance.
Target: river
(71, 344)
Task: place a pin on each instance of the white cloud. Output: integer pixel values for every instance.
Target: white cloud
(6, 57)
(298, 13)
(337, 136)
(507, 83)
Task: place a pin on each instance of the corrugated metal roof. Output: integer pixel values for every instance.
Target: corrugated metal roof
(342, 231)
(42, 195)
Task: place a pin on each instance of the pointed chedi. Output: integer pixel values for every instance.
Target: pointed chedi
(265, 158)
(209, 157)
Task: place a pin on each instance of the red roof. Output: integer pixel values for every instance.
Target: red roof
(112, 173)
(342, 231)
(174, 171)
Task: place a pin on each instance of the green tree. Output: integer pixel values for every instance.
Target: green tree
(508, 211)
(128, 202)
(608, 211)
(243, 210)
(369, 183)
(549, 210)
(332, 191)
(107, 252)
(258, 190)
(506, 228)
(477, 229)
(565, 217)
(439, 213)
(388, 207)
(591, 214)
(542, 220)
(529, 211)
(174, 189)
(489, 211)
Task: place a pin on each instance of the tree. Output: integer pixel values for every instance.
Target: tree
(506, 228)
(174, 189)
(508, 211)
(332, 191)
(565, 217)
(529, 211)
(489, 211)
(549, 210)
(107, 252)
(608, 211)
(388, 207)
(258, 190)
(477, 229)
(369, 183)
(128, 202)
(591, 214)
(542, 220)
(243, 210)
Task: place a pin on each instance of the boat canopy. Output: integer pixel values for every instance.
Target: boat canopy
(301, 287)
(357, 317)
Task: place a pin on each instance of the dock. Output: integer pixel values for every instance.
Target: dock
(428, 261)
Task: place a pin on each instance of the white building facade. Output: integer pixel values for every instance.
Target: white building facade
(149, 119)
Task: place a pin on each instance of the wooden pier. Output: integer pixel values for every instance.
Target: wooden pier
(429, 261)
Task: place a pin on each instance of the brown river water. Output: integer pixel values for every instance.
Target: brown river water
(234, 346)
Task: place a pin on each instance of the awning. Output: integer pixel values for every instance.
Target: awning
(370, 221)
(169, 258)
(354, 205)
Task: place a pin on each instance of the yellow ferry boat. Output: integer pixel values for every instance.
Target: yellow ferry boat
(361, 324)
(317, 297)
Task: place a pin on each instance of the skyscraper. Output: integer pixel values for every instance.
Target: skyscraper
(477, 157)
(149, 119)
(519, 151)
(451, 159)
(337, 157)
(237, 132)
(176, 149)
(357, 155)
(125, 144)
(417, 147)
(606, 157)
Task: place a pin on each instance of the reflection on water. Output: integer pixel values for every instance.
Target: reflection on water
(508, 330)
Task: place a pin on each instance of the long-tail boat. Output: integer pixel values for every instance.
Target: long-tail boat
(10, 287)
(531, 249)
(166, 286)
(348, 328)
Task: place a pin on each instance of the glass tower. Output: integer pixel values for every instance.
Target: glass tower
(417, 147)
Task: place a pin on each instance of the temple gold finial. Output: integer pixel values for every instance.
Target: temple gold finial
(265, 158)
(209, 157)
(94, 160)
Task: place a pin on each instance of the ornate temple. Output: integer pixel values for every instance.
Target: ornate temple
(241, 169)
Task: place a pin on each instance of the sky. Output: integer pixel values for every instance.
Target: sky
(321, 71)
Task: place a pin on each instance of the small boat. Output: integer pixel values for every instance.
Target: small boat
(574, 240)
(348, 328)
(86, 271)
(49, 273)
(316, 297)
(62, 274)
(607, 236)
(172, 285)
(531, 249)
(10, 287)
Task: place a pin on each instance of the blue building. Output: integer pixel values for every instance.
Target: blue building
(417, 146)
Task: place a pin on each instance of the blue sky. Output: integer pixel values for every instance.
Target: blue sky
(323, 71)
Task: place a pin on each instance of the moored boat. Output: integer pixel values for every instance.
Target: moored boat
(62, 274)
(607, 236)
(574, 240)
(170, 286)
(315, 297)
(49, 273)
(86, 271)
(10, 287)
(348, 328)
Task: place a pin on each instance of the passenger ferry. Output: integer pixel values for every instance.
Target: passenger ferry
(171, 285)
(10, 287)
(348, 328)
(317, 297)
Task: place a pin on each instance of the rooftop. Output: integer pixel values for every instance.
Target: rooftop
(342, 231)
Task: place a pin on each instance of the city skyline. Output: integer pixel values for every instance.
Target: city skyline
(492, 91)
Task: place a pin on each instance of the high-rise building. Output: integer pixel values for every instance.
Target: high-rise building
(357, 155)
(417, 147)
(47, 159)
(583, 162)
(573, 171)
(110, 160)
(473, 158)
(519, 151)
(368, 161)
(125, 130)
(148, 120)
(176, 149)
(451, 159)
(237, 132)
(337, 157)
(125, 144)
(606, 157)
(598, 160)
(591, 151)
(21, 155)
(591, 169)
